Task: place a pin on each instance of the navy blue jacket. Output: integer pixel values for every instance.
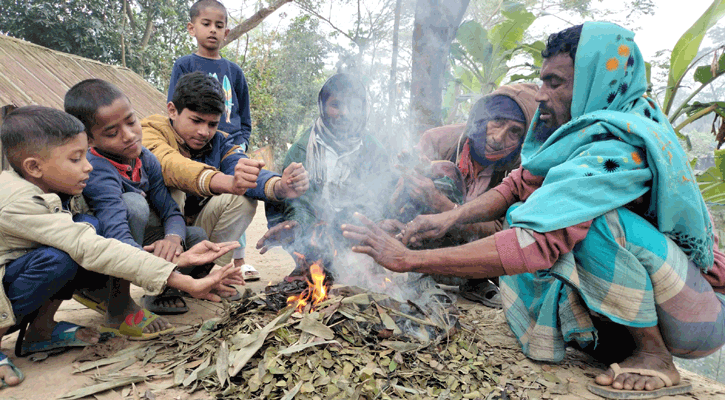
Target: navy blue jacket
(103, 194)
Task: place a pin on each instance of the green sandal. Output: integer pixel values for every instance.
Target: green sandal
(132, 327)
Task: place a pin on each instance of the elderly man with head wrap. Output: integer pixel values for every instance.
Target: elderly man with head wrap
(611, 247)
(349, 169)
(468, 160)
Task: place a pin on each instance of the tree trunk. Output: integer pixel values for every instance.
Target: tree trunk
(249, 23)
(393, 67)
(435, 26)
(123, 35)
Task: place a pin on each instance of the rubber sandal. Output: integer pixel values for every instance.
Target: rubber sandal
(151, 303)
(482, 291)
(86, 300)
(669, 389)
(62, 337)
(5, 360)
(250, 273)
(132, 327)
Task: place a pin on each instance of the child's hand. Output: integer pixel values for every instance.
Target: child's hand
(246, 173)
(204, 253)
(294, 182)
(167, 248)
(217, 282)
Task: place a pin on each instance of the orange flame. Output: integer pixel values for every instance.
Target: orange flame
(315, 292)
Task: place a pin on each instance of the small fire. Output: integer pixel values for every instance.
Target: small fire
(315, 292)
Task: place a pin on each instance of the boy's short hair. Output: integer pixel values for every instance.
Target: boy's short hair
(196, 8)
(200, 93)
(36, 130)
(85, 98)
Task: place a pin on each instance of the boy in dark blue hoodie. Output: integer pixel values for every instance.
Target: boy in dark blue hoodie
(126, 191)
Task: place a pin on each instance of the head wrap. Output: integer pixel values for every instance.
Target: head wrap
(617, 147)
(485, 110)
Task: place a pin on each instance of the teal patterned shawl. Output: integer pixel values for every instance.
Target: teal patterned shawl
(617, 147)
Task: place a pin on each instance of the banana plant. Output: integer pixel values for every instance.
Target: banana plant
(685, 51)
(479, 56)
(682, 61)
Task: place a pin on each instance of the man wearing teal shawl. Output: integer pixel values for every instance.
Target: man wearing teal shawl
(610, 246)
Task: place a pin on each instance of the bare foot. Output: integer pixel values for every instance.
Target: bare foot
(8, 376)
(116, 319)
(631, 381)
(167, 302)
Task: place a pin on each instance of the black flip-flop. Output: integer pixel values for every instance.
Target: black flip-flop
(152, 304)
(482, 291)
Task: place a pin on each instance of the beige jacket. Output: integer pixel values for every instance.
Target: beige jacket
(30, 218)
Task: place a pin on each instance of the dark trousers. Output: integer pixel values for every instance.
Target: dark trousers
(41, 275)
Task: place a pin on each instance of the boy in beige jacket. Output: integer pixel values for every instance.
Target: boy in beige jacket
(43, 246)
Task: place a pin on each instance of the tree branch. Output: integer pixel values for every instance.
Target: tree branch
(149, 28)
(309, 10)
(251, 22)
(129, 13)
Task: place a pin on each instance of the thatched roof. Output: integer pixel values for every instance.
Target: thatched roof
(32, 74)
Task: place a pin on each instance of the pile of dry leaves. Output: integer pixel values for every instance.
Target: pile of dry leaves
(355, 345)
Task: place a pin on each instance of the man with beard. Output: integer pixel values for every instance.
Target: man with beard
(468, 160)
(349, 170)
(611, 247)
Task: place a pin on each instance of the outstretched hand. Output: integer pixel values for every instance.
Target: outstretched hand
(423, 190)
(375, 242)
(204, 253)
(430, 226)
(278, 235)
(216, 283)
(295, 182)
(392, 227)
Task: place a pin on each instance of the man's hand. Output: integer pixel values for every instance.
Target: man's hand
(278, 235)
(391, 226)
(167, 248)
(217, 281)
(204, 253)
(373, 241)
(423, 190)
(430, 226)
(294, 183)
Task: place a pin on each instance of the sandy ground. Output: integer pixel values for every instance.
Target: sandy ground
(53, 377)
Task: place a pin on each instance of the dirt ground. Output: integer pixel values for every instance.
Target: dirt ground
(54, 376)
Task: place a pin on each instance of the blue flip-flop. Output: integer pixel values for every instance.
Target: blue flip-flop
(5, 360)
(62, 337)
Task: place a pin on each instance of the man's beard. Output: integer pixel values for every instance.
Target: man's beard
(542, 131)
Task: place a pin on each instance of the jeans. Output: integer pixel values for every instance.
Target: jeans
(146, 226)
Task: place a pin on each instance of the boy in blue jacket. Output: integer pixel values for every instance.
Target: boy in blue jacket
(208, 25)
(126, 191)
